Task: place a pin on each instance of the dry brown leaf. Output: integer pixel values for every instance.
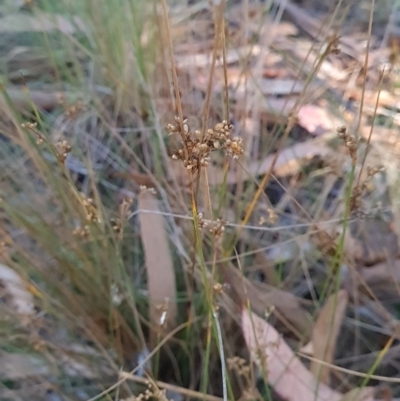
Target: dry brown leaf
(290, 161)
(256, 16)
(203, 60)
(383, 278)
(278, 87)
(315, 29)
(325, 333)
(261, 296)
(159, 266)
(305, 50)
(370, 97)
(23, 62)
(316, 120)
(273, 108)
(23, 100)
(138, 178)
(378, 240)
(284, 371)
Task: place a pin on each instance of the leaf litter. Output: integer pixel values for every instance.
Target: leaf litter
(279, 365)
(276, 104)
(325, 333)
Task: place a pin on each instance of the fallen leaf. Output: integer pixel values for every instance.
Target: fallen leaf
(262, 297)
(315, 28)
(23, 100)
(370, 97)
(382, 279)
(273, 108)
(315, 119)
(277, 87)
(23, 62)
(139, 178)
(290, 161)
(159, 266)
(308, 349)
(283, 370)
(201, 60)
(325, 333)
(378, 240)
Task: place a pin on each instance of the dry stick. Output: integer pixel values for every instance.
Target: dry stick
(143, 363)
(354, 373)
(184, 391)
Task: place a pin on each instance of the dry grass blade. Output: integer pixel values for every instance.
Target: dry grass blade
(285, 372)
(159, 265)
(325, 333)
(383, 278)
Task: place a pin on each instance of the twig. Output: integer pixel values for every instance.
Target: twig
(167, 386)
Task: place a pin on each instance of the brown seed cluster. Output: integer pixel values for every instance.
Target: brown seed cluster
(197, 147)
(91, 216)
(350, 142)
(216, 228)
(270, 218)
(90, 208)
(363, 189)
(81, 231)
(117, 223)
(32, 127)
(151, 392)
(74, 110)
(62, 148)
(238, 365)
